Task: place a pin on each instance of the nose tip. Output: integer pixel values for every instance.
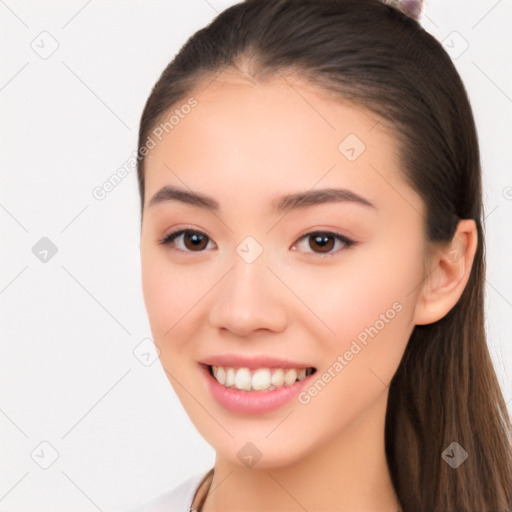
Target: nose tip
(248, 299)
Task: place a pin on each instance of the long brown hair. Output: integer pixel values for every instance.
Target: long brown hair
(445, 389)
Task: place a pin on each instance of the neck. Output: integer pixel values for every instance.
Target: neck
(347, 474)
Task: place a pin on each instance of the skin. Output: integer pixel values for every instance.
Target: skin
(244, 145)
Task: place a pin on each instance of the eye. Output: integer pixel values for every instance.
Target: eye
(322, 240)
(194, 241)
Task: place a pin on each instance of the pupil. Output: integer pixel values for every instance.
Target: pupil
(195, 239)
(321, 239)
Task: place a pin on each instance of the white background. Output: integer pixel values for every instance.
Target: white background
(69, 326)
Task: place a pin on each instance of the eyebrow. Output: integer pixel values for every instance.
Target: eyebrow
(280, 204)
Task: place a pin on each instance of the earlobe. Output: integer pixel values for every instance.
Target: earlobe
(450, 270)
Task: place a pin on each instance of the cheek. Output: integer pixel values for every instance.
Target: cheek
(366, 302)
(165, 292)
(173, 294)
(370, 309)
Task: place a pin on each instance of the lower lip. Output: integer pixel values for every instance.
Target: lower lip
(252, 402)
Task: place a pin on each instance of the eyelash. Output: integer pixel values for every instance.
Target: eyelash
(168, 239)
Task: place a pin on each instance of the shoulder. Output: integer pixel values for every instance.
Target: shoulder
(177, 499)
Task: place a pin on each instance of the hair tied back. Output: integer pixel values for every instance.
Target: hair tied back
(411, 8)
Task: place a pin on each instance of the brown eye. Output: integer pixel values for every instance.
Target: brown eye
(323, 242)
(192, 241)
(195, 241)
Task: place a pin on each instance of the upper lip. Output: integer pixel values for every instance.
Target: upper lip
(252, 362)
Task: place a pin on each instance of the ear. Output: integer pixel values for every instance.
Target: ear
(450, 269)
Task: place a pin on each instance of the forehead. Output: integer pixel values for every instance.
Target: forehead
(263, 139)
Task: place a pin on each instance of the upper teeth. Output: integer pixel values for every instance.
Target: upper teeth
(260, 379)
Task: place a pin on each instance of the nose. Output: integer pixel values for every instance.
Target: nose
(249, 298)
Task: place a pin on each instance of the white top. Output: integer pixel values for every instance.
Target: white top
(178, 499)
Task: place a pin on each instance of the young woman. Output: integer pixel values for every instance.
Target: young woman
(313, 264)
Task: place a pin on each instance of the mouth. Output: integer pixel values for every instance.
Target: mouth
(254, 390)
(260, 379)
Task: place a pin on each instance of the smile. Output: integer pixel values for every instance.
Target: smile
(261, 379)
(254, 391)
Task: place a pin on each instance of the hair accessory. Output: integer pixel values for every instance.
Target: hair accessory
(411, 8)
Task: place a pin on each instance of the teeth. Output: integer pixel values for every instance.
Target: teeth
(278, 378)
(290, 377)
(221, 375)
(262, 379)
(230, 377)
(243, 379)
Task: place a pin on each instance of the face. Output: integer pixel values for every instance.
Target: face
(324, 284)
